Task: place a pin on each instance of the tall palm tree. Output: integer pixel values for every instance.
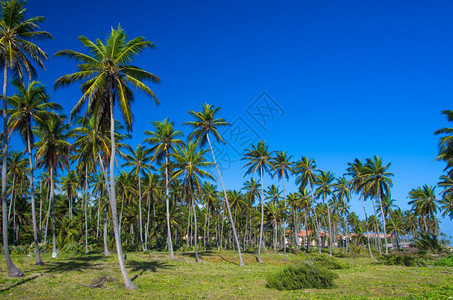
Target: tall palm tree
(108, 74)
(342, 195)
(190, 166)
(52, 152)
(30, 105)
(210, 198)
(69, 185)
(259, 158)
(139, 160)
(163, 142)
(447, 200)
(206, 123)
(324, 182)
(378, 185)
(283, 168)
(17, 54)
(306, 177)
(357, 182)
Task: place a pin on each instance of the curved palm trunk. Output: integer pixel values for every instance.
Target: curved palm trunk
(13, 271)
(106, 248)
(38, 260)
(167, 208)
(52, 201)
(195, 233)
(383, 221)
(241, 262)
(262, 217)
(140, 210)
(366, 223)
(127, 282)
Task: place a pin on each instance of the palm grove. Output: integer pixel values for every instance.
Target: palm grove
(79, 187)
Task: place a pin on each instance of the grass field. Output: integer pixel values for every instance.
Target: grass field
(218, 277)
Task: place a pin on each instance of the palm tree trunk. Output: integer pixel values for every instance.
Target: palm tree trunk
(140, 224)
(40, 208)
(52, 200)
(47, 220)
(262, 217)
(241, 262)
(167, 208)
(147, 223)
(38, 260)
(366, 223)
(13, 271)
(383, 221)
(106, 249)
(284, 221)
(127, 282)
(85, 205)
(307, 238)
(330, 227)
(12, 198)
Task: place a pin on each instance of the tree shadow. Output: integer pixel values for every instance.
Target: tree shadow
(145, 266)
(19, 283)
(78, 264)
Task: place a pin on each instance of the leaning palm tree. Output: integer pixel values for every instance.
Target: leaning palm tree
(259, 158)
(107, 75)
(52, 152)
(17, 54)
(283, 168)
(377, 185)
(30, 105)
(139, 160)
(163, 141)
(190, 165)
(206, 123)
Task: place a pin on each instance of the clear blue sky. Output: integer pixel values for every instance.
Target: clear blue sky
(347, 78)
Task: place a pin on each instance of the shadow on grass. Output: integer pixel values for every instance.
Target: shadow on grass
(145, 266)
(19, 283)
(78, 264)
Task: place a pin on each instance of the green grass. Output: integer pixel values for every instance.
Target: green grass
(218, 277)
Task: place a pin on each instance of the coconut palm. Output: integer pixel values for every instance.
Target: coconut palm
(259, 158)
(163, 142)
(18, 53)
(206, 123)
(52, 152)
(190, 164)
(377, 185)
(357, 182)
(283, 168)
(210, 199)
(139, 160)
(424, 204)
(69, 186)
(108, 74)
(306, 176)
(324, 182)
(30, 105)
(342, 195)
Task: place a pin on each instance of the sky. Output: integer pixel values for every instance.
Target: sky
(331, 80)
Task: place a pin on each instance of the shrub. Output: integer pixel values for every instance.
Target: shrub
(401, 260)
(301, 275)
(445, 261)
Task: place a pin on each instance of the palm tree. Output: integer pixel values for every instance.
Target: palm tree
(190, 166)
(69, 185)
(109, 75)
(204, 124)
(324, 183)
(357, 171)
(343, 195)
(252, 193)
(163, 141)
(306, 171)
(424, 204)
(52, 152)
(378, 184)
(139, 160)
(30, 105)
(210, 199)
(446, 143)
(447, 200)
(283, 168)
(18, 53)
(259, 158)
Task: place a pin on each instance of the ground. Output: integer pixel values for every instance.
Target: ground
(218, 277)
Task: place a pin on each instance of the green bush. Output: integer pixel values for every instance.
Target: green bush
(401, 260)
(301, 275)
(445, 261)
(327, 261)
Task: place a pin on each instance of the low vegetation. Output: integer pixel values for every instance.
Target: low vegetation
(218, 277)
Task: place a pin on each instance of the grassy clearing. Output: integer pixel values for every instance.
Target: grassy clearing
(219, 276)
